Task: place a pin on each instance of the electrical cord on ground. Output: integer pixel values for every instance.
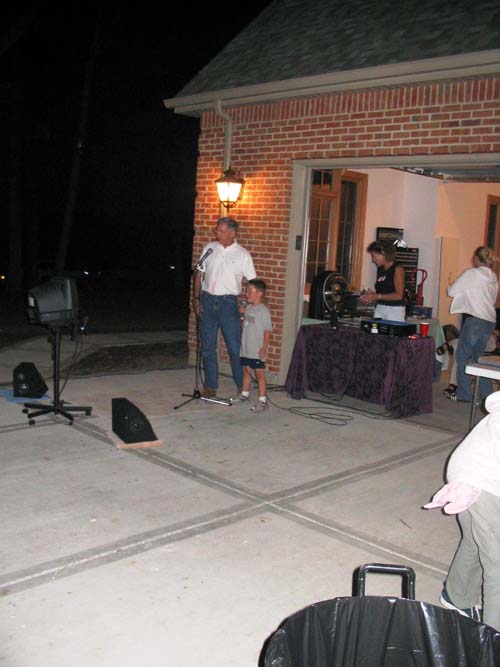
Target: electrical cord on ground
(331, 418)
(331, 414)
(362, 411)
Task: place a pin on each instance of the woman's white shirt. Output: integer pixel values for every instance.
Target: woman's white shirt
(475, 292)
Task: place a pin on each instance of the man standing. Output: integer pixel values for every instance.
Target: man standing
(216, 301)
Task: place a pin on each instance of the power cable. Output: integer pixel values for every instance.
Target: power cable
(331, 414)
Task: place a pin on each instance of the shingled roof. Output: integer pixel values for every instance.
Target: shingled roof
(302, 38)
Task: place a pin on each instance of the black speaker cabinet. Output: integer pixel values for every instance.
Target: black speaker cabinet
(27, 381)
(129, 423)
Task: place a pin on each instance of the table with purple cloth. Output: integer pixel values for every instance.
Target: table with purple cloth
(391, 371)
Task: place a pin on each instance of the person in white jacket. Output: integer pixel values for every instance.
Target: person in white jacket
(474, 295)
(473, 492)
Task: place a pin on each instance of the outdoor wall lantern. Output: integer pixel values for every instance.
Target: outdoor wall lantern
(229, 187)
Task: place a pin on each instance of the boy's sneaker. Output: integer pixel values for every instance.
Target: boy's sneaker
(476, 613)
(239, 399)
(260, 406)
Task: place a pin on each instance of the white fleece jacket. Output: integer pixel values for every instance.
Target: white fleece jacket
(476, 460)
(475, 292)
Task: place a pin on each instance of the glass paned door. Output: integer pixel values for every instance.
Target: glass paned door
(321, 216)
(319, 238)
(347, 222)
(336, 224)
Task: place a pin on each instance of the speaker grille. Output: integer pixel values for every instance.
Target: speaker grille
(27, 381)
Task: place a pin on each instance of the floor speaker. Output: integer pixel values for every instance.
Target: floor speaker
(130, 423)
(28, 382)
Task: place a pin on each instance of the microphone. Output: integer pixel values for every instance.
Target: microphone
(200, 263)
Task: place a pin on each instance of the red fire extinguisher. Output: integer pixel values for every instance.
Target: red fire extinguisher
(419, 299)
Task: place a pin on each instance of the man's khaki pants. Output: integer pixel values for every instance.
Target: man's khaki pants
(476, 564)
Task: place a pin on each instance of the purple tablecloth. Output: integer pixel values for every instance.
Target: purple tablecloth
(394, 372)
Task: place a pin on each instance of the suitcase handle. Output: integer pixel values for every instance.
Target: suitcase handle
(407, 574)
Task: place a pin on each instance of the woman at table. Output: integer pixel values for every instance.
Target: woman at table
(390, 283)
(474, 294)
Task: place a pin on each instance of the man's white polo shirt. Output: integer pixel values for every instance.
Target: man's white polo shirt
(224, 270)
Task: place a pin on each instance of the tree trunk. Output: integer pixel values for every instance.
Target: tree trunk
(15, 269)
(81, 136)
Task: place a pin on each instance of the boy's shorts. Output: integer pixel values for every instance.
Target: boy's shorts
(252, 363)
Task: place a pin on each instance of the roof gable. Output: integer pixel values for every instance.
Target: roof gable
(300, 38)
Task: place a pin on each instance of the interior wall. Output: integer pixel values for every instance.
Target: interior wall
(402, 200)
(427, 209)
(384, 208)
(462, 215)
(420, 213)
(461, 223)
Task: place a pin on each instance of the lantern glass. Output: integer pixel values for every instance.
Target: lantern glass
(229, 188)
(229, 192)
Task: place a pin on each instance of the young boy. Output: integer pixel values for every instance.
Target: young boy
(255, 337)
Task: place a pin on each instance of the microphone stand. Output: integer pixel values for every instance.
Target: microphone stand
(196, 395)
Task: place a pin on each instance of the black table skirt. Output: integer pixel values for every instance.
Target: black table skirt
(394, 372)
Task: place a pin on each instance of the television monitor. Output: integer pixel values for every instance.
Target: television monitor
(390, 234)
(54, 302)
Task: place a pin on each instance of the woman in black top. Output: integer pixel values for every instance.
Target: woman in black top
(390, 284)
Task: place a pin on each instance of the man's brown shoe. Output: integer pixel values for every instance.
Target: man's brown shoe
(206, 392)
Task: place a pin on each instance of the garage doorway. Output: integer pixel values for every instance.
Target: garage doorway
(434, 168)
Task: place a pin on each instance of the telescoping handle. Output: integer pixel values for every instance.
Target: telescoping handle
(407, 574)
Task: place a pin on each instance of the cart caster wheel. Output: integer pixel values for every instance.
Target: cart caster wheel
(25, 411)
(31, 422)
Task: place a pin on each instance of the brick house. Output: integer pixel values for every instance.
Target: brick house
(363, 91)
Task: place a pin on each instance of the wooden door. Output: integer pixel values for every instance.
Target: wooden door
(336, 224)
(492, 227)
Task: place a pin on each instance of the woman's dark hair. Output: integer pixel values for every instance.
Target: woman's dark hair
(385, 248)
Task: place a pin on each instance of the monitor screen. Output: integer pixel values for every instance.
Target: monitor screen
(53, 302)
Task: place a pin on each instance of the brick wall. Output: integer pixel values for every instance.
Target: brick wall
(426, 119)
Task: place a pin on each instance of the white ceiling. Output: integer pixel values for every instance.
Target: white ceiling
(466, 174)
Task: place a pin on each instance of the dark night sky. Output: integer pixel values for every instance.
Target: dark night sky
(138, 169)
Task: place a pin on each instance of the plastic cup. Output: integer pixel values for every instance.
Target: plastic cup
(424, 328)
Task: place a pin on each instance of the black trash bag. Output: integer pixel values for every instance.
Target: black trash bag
(381, 632)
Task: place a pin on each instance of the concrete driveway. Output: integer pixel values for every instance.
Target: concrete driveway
(194, 552)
